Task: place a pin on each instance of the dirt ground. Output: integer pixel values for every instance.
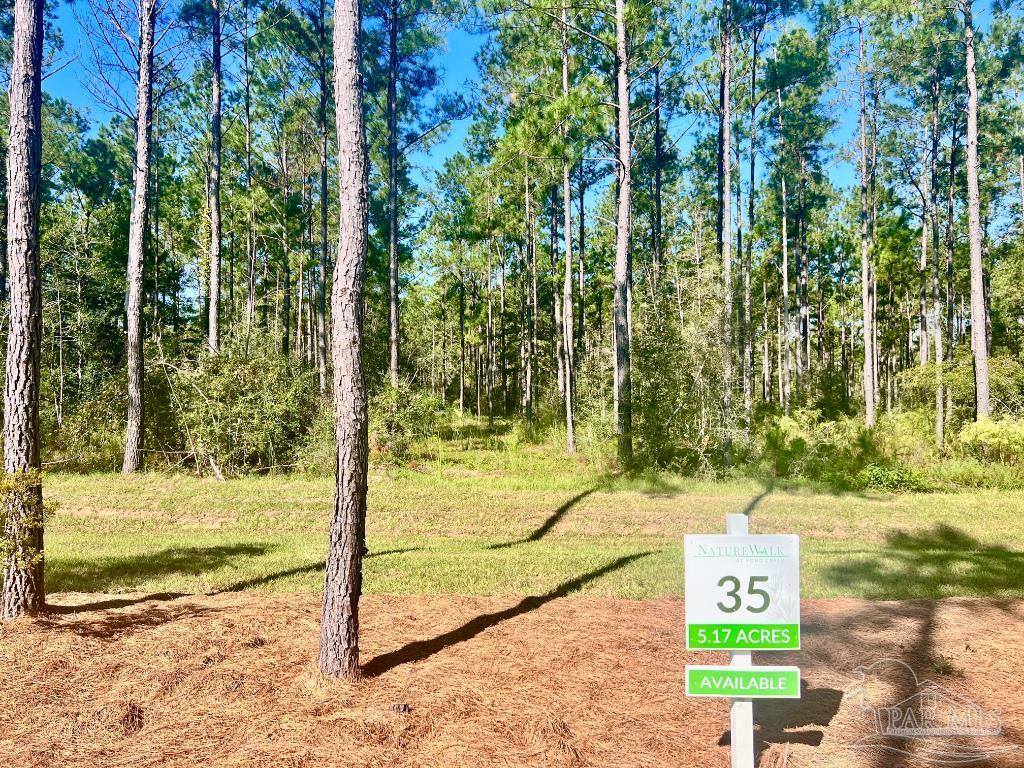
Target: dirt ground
(230, 680)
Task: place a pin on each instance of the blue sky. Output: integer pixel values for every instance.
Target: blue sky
(457, 61)
(71, 66)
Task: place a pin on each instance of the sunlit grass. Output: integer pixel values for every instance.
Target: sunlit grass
(493, 521)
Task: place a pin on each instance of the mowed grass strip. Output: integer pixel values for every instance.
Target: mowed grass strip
(504, 523)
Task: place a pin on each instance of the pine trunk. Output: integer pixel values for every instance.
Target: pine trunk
(865, 264)
(623, 238)
(784, 363)
(23, 589)
(979, 336)
(321, 283)
(339, 631)
(137, 239)
(567, 321)
(392, 150)
(724, 221)
(215, 155)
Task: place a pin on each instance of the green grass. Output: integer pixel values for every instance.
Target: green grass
(476, 520)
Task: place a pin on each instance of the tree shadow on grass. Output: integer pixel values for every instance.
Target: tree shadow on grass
(943, 561)
(239, 586)
(422, 649)
(269, 578)
(114, 574)
(548, 524)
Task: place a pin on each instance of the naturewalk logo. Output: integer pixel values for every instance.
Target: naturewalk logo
(741, 550)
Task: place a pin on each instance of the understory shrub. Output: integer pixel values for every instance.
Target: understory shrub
(90, 437)
(999, 440)
(893, 478)
(241, 414)
(398, 416)
(804, 446)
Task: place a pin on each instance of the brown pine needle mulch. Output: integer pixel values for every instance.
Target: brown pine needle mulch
(231, 680)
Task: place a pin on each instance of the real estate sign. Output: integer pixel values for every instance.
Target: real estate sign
(748, 683)
(742, 592)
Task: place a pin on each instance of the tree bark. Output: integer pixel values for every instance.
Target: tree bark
(580, 262)
(922, 273)
(392, 150)
(321, 283)
(659, 159)
(250, 224)
(567, 319)
(623, 242)
(979, 340)
(784, 369)
(530, 288)
(724, 223)
(936, 323)
(286, 264)
(339, 631)
(748, 345)
(865, 263)
(137, 239)
(23, 588)
(215, 155)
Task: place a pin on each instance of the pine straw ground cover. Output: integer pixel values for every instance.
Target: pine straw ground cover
(230, 680)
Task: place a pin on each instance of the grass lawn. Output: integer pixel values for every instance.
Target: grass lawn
(478, 521)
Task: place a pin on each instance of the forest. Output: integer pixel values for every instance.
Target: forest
(523, 294)
(671, 236)
(689, 237)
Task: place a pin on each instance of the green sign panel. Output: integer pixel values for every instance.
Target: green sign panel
(743, 683)
(743, 637)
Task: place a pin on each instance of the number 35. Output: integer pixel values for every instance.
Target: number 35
(752, 590)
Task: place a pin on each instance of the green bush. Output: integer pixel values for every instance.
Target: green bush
(1000, 440)
(91, 436)
(804, 446)
(398, 416)
(968, 472)
(240, 414)
(893, 478)
(317, 452)
(906, 438)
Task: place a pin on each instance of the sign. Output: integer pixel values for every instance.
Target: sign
(742, 595)
(750, 683)
(742, 592)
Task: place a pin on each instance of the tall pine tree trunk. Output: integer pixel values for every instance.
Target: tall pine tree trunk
(936, 323)
(979, 336)
(137, 239)
(567, 323)
(580, 262)
(865, 263)
(321, 282)
(659, 159)
(250, 205)
(339, 629)
(392, 150)
(23, 589)
(724, 223)
(215, 155)
(748, 342)
(623, 242)
(785, 365)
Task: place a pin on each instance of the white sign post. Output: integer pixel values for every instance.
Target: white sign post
(742, 595)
